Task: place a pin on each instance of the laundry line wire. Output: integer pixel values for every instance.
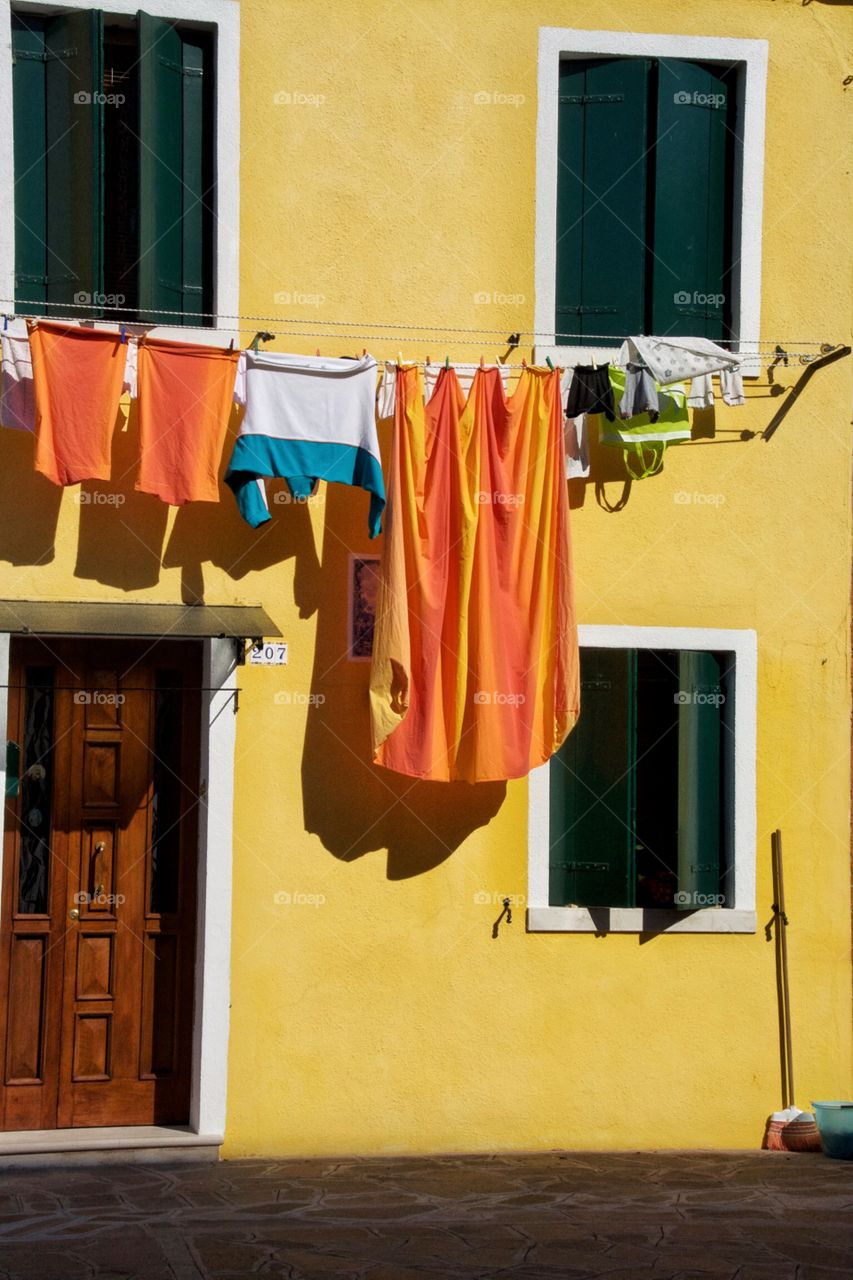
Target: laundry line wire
(766, 357)
(392, 331)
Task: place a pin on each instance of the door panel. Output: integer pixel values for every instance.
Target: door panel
(99, 917)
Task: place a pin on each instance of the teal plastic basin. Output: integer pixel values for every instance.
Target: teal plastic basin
(835, 1125)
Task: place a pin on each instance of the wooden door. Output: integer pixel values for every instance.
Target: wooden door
(98, 896)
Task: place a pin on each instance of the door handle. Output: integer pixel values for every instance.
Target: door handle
(74, 914)
(100, 849)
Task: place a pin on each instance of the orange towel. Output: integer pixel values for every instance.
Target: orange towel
(185, 393)
(77, 380)
(475, 671)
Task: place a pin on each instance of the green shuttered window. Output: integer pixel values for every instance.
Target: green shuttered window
(640, 793)
(644, 198)
(113, 165)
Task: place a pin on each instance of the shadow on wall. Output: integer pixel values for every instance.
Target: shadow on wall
(29, 502)
(353, 806)
(122, 531)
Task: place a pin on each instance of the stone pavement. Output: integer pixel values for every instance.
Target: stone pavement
(672, 1216)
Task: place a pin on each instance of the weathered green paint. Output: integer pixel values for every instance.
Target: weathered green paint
(692, 200)
(173, 254)
(593, 788)
(58, 129)
(700, 812)
(601, 196)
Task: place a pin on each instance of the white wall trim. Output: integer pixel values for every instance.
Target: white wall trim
(557, 43)
(224, 17)
(212, 1000)
(739, 918)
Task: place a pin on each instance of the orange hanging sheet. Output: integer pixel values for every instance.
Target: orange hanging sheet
(475, 671)
(184, 394)
(77, 382)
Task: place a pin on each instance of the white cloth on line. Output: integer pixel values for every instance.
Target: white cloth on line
(731, 385)
(701, 394)
(387, 391)
(677, 359)
(17, 398)
(575, 437)
(465, 374)
(320, 399)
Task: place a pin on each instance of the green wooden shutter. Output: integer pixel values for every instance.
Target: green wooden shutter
(58, 130)
(592, 793)
(30, 131)
(601, 197)
(692, 200)
(700, 807)
(171, 191)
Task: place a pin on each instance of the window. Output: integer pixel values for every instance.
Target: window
(644, 198)
(113, 152)
(644, 815)
(633, 234)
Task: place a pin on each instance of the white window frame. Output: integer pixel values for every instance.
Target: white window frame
(739, 918)
(559, 44)
(223, 18)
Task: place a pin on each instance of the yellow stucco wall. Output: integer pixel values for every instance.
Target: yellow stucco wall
(386, 1018)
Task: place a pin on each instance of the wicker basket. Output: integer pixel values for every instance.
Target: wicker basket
(792, 1135)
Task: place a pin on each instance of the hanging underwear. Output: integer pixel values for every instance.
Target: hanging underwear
(591, 392)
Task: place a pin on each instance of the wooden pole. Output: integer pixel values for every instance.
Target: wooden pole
(782, 928)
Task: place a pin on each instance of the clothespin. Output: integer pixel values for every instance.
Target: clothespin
(399, 357)
(447, 362)
(428, 360)
(363, 352)
(261, 336)
(317, 352)
(482, 362)
(523, 363)
(549, 364)
(123, 332)
(231, 345)
(5, 321)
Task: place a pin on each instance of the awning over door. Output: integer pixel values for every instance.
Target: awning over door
(169, 621)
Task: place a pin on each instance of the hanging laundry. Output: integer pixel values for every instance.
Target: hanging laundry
(590, 392)
(702, 389)
(308, 418)
(640, 394)
(677, 359)
(77, 377)
(386, 391)
(388, 380)
(731, 385)
(475, 659)
(185, 394)
(17, 393)
(465, 374)
(575, 438)
(643, 440)
(701, 395)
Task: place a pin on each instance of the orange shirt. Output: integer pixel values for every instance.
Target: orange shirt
(77, 380)
(185, 393)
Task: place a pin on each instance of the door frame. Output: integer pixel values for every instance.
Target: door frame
(212, 979)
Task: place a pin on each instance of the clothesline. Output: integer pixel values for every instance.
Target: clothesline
(391, 331)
